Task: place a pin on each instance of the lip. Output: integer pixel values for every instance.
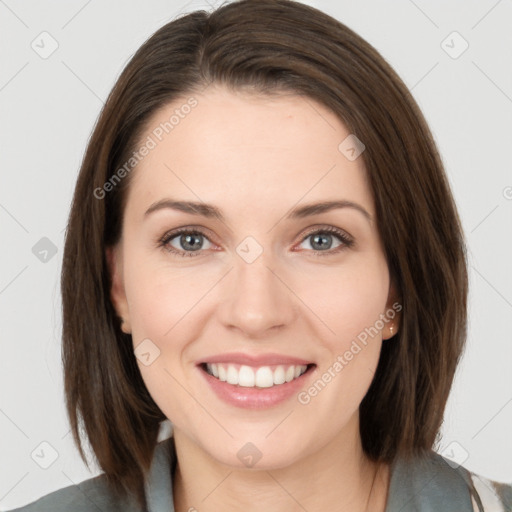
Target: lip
(256, 398)
(254, 360)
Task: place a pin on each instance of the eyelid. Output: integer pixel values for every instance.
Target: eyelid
(325, 228)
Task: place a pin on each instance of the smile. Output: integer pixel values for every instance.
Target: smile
(259, 377)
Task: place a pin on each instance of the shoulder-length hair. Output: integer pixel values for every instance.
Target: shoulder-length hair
(269, 46)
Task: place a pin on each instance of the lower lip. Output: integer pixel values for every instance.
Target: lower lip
(256, 398)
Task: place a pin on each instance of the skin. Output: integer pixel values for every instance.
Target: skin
(256, 157)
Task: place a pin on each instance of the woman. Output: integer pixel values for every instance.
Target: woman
(264, 250)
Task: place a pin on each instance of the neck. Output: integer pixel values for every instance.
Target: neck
(337, 477)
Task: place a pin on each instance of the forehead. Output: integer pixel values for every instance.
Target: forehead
(247, 149)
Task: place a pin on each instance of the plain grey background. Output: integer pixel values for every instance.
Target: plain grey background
(455, 56)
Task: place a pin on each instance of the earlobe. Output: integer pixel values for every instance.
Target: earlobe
(117, 292)
(389, 330)
(393, 313)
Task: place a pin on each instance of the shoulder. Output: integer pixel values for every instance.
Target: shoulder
(432, 483)
(88, 496)
(94, 494)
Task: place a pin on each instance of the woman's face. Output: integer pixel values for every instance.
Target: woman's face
(250, 285)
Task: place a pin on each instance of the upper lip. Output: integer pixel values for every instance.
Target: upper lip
(254, 360)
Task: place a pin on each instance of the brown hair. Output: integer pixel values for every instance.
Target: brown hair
(269, 46)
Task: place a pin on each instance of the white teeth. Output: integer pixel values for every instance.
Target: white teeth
(232, 375)
(279, 375)
(262, 377)
(246, 376)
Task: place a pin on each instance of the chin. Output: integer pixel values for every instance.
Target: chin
(256, 453)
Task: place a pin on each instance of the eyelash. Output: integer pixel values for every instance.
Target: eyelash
(347, 241)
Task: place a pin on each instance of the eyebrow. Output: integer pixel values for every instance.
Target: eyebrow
(211, 211)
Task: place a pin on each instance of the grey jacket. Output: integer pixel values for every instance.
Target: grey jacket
(427, 485)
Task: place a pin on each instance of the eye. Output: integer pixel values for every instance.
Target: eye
(190, 240)
(321, 240)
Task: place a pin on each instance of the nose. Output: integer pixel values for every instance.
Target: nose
(256, 298)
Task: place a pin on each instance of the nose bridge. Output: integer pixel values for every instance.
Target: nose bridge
(257, 300)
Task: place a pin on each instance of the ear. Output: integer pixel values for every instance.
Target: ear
(117, 292)
(393, 313)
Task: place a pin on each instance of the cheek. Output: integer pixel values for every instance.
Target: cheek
(349, 300)
(162, 307)
(350, 304)
(160, 296)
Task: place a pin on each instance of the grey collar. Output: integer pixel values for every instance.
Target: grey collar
(423, 484)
